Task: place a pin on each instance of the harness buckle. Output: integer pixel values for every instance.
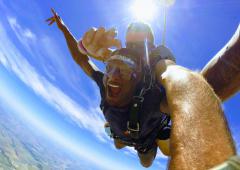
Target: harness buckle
(138, 100)
(132, 129)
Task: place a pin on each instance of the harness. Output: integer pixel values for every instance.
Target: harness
(133, 125)
(133, 122)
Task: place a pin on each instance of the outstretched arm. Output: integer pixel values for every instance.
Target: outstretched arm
(223, 71)
(81, 59)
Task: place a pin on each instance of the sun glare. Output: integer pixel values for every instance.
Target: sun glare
(144, 10)
(167, 3)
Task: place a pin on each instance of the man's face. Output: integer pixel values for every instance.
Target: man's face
(120, 80)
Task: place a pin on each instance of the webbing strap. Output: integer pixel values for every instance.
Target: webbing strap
(133, 126)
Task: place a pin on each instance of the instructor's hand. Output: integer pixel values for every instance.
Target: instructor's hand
(56, 18)
(97, 43)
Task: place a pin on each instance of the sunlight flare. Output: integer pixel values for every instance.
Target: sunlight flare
(144, 10)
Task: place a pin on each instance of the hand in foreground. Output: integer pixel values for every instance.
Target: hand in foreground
(97, 43)
(56, 18)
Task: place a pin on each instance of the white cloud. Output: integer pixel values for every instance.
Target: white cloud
(80, 148)
(24, 35)
(130, 151)
(161, 165)
(88, 118)
(28, 34)
(45, 51)
(32, 44)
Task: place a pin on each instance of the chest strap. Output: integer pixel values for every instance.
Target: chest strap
(133, 125)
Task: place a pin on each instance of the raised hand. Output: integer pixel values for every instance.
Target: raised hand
(97, 43)
(56, 18)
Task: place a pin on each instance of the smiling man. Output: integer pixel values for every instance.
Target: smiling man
(124, 95)
(121, 77)
(122, 91)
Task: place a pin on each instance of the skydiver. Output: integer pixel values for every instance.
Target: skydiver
(118, 86)
(139, 37)
(192, 107)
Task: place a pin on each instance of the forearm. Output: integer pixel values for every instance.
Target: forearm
(78, 57)
(73, 46)
(223, 71)
(200, 137)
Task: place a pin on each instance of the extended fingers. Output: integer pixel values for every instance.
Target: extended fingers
(110, 40)
(98, 41)
(92, 40)
(51, 21)
(88, 36)
(98, 37)
(54, 12)
(55, 15)
(103, 54)
(111, 33)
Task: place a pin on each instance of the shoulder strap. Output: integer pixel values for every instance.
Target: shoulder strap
(133, 126)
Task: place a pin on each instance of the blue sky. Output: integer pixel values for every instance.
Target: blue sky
(39, 77)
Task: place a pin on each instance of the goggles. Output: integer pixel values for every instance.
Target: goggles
(120, 68)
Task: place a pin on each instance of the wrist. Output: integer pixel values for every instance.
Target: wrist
(81, 48)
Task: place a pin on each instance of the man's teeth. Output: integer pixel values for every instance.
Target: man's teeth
(114, 85)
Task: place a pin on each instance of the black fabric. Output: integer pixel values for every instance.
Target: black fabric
(133, 121)
(150, 116)
(97, 76)
(164, 133)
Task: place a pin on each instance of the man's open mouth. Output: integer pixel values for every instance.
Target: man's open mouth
(114, 89)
